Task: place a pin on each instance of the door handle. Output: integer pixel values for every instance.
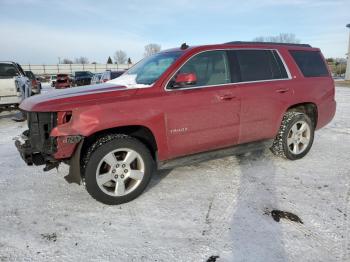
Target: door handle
(282, 90)
(227, 97)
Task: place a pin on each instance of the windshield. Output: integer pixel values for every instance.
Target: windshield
(147, 71)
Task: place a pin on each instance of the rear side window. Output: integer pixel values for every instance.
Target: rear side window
(310, 63)
(256, 65)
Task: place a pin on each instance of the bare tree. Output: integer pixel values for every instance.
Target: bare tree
(281, 38)
(67, 61)
(120, 57)
(151, 49)
(81, 60)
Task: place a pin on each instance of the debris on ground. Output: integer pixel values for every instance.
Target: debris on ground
(278, 214)
(51, 237)
(212, 258)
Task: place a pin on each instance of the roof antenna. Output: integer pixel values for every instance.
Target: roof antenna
(184, 46)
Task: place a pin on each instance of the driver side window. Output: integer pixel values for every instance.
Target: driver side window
(210, 68)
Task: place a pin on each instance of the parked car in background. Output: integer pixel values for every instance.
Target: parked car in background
(81, 78)
(62, 81)
(180, 106)
(109, 75)
(12, 81)
(40, 79)
(36, 85)
(53, 80)
(96, 79)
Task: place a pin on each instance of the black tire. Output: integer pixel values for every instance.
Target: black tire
(98, 151)
(280, 146)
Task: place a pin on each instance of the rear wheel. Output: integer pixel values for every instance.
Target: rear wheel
(118, 168)
(295, 136)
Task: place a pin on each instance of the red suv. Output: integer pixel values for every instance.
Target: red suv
(62, 81)
(178, 106)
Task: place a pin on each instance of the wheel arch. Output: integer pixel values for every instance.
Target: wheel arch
(142, 133)
(308, 108)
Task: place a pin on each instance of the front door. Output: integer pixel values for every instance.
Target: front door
(204, 115)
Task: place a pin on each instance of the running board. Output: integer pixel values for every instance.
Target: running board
(220, 153)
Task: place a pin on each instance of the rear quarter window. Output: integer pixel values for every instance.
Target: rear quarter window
(310, 63)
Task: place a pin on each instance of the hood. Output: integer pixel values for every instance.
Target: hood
(70, 98)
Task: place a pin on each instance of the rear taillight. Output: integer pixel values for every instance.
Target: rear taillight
(64, 117)
(34, 83)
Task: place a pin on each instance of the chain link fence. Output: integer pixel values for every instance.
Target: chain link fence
(70, 68)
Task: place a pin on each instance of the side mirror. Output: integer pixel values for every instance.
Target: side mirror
(185, 79)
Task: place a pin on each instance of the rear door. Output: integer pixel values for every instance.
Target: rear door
(205, 115)
(264, 85)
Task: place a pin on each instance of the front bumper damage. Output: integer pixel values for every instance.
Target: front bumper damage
(23, 147)
(30, 155)
(37, 147)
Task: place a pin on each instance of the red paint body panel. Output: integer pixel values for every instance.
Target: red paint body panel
(189, 121)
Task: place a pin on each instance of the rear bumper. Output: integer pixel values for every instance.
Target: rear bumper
(326, 112)
(36, 91)
(10, 100)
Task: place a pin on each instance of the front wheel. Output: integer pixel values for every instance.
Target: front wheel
(118, 168)
(295, 137)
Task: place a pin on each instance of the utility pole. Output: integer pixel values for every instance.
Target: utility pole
(59, 60)
(347, 73)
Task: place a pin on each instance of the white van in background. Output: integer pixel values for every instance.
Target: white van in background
(12, 81)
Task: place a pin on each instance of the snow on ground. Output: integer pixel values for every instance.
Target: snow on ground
(217, 208)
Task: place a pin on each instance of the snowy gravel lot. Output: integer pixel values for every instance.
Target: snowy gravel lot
(217, 208)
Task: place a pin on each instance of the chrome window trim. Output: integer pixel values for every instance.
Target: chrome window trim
(236, 83)
(284, 64)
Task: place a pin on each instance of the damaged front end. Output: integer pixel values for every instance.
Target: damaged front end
(35, 145)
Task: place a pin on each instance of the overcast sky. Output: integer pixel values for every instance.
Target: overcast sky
(40, 31)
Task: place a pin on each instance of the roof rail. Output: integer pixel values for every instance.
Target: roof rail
(264, 43)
